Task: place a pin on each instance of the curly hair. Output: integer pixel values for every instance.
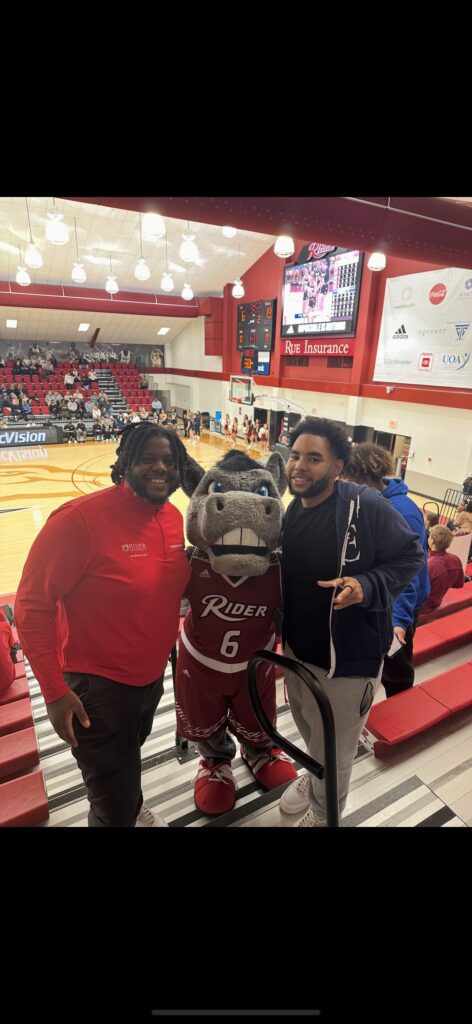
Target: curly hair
(368, 461)
(134, 438)
(335, 434)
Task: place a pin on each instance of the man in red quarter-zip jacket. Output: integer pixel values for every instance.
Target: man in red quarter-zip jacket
(97, 613)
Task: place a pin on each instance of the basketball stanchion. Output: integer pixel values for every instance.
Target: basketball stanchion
(328, 771)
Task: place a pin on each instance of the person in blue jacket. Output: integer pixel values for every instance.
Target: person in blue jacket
(346, 556)
(370, 464)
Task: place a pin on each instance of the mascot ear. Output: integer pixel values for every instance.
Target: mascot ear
(190, 475)
(275, 464)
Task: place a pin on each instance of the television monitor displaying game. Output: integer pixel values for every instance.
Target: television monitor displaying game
(321, 297)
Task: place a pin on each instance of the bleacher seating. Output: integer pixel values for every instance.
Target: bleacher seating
(23, 799)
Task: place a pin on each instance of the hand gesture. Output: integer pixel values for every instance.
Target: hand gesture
(350, 589)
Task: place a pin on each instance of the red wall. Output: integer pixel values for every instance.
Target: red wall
(264, 281)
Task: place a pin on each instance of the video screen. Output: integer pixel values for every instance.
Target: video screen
(322, 297)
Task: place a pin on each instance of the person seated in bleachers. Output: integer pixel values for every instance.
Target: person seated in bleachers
(463, 517)
(26, 408)
(96, 412)
(81, 430)
(107, 425)
(430, 519)
(97, 430)
(69, 380)
(444, 569)
(69, 431)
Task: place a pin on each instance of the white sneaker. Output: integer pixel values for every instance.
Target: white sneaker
(311, 820)
(150, 819)
(295, 798)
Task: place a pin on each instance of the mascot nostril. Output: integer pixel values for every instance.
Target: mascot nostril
(234, 595)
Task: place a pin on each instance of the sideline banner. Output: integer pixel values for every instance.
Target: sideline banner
(426, 330)
(15, 436)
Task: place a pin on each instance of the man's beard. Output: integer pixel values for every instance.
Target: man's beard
(314, 490)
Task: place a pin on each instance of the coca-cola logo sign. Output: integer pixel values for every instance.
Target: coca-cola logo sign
(437, 294)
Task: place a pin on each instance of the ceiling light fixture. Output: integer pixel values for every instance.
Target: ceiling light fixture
(229, 232)
(78, 270)
(111, 286)
(154, 225)
(187, 290)
(237, 290)
(377, 261)
(188, 251)
(56, 232)
(141, 270)
(33, 257)
(22, 276)
(167, 281)
(284, 246)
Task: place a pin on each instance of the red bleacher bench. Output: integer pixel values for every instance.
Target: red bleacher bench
(442, 635)
(397, 719)
(15, 715)
(454, 601)
(19, 687)
(18, 751)
(23, 801)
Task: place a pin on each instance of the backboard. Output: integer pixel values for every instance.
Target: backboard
(241, 390)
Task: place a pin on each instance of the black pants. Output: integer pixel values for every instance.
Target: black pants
(398, 672)
(109, 751)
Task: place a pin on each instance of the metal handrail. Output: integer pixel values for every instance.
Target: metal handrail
(328, 771)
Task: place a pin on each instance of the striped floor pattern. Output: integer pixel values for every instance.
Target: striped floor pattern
(382, 795)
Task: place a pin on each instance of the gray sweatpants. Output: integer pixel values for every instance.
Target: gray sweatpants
(348, 696)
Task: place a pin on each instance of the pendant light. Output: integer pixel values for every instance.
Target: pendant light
(167, 281)
(188, 251)
(229, 232)
(141, 270)
(376, 261)
(22, 276)
(237, 290)
(187, 290)
(33, 257)
(78, 270)
(56, 231)
(154, 225)
(284, 246)
(111, 285)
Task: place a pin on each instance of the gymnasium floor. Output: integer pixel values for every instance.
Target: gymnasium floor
(426, 782)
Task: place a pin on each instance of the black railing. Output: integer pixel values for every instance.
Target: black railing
(328, 771)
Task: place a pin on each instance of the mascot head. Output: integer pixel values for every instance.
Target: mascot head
(235, 513)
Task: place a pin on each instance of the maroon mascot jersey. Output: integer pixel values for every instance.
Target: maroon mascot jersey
(229, 620)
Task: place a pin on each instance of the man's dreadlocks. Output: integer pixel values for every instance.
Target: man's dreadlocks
(134, 438)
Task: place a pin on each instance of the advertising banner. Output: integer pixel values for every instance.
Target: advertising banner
(13, 436)
(306, 347)
(426, 330)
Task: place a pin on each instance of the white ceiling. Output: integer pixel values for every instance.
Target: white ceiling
(105, 233)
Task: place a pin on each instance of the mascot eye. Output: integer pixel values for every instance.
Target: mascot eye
(262, 490)
(216, 487)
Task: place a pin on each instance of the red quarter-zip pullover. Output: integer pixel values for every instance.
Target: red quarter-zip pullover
(100, 590)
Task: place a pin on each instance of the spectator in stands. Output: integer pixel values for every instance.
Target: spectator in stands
(370, 464)
(69, 380)
(81, 430)
(97, 430)
(157, 405)
(2, 362)
(125, 356)
(346, 554)
(69, 431)
(430, 519)
(26, 408)
(444, 570)
(463, 518)
(34, 350)
(97, 611)
(144, 383)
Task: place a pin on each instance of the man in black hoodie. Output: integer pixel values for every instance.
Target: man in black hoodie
(346, 556)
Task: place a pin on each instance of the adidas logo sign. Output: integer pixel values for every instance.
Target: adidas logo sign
(401, 333)
(204, 574)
